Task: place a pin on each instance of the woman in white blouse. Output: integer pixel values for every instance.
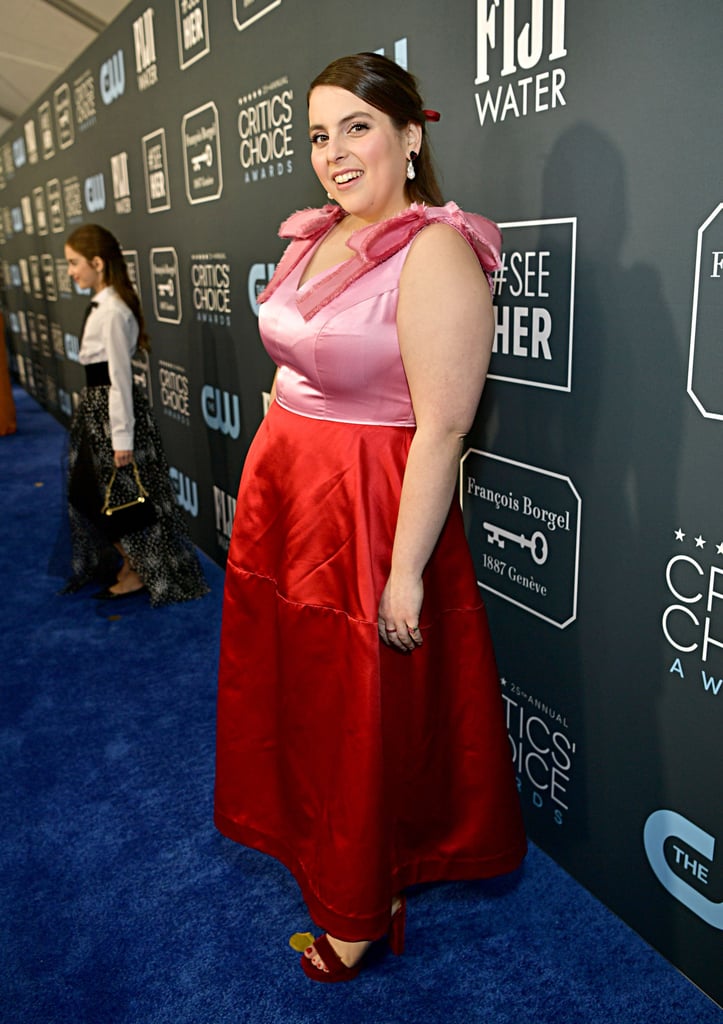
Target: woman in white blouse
(112, 428)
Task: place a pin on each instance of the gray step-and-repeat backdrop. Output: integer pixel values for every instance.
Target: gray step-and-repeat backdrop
(592, 484)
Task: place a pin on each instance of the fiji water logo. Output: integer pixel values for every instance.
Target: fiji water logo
(681, 855)
(221, 411)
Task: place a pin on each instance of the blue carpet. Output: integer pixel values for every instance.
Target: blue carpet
(120, 903)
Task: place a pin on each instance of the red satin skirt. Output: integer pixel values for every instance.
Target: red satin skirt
(362, 769)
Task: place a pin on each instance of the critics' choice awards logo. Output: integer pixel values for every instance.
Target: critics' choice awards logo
(121, 183)
(84, 92)
(211, 288)
(265, 127)
(166, 285)
(45, 119)
(112, 78)
(705, 360)
(518, 58)
(72, 199)
(246, 12)
(192, 26)
(144, 42)
(175, 391)
(542, 751)
(682, 857)
(692, 621)
(64, 116)
(186, 491)
(523, 528)
(155, 162)
(202, 148)
(224, 508)
(534, 299)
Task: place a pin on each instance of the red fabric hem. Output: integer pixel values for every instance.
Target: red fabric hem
(373, 926)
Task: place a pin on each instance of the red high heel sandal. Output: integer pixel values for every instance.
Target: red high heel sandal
(337, 970)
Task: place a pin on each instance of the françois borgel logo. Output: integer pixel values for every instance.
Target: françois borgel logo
(705, 360)
(166, 285)
(64, 116)
(144, 42)
(246, 12)
(523, 528)
(202, 147)
(265, 127)
(192, 25)
(155, 162)
(534, 293)
(692, 621)
(682, 857)
(211, 288)
(518, 61)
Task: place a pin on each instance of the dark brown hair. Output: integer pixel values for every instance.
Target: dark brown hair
(91, 240)
(383, 84)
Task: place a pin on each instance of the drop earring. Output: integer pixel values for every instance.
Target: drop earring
(411, 173)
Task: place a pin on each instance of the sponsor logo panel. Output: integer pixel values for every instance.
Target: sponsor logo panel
(121, 183)
(520, 59)
(134, 270)
(174, 389)
(20, 155)
(7, 160)
(54, 196)
(534, 299)
(84, 93)
(141, 368)
(94, 192)
(56, 335)
(45, 119)
(112, 78)
(221, 410)
(155, 162)
(26, 206)
(166, 285)
(265, 126)
(73, 200)
(47, 264)
(247, 12)
(31, 141)
(186, 491)
(211, 288)
(41, 210)
(144, 43)
(193, 36)
(705, 358)
(35, 276)
(64, 116)
(523, 527)
(202, 149)
(259, 276)
(682, 856)
(544, 751)
(224, 509)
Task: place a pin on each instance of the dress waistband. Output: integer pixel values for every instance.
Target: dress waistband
(96, 375)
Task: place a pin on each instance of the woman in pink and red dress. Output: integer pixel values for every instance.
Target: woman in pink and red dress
(361, 736)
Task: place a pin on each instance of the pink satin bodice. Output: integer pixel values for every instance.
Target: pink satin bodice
(334, 338)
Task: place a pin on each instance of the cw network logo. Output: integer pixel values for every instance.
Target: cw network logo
(259, 276)
(186, 491)
(221, 410)
(94, 189)
(681, 855)
(113, 78)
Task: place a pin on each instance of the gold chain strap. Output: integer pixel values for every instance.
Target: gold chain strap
(109, 509)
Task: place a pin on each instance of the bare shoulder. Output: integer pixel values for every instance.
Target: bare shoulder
(439, 256)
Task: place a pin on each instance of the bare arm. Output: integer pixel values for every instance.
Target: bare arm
(446, 326)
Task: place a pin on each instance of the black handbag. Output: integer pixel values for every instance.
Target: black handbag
(129, 516)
